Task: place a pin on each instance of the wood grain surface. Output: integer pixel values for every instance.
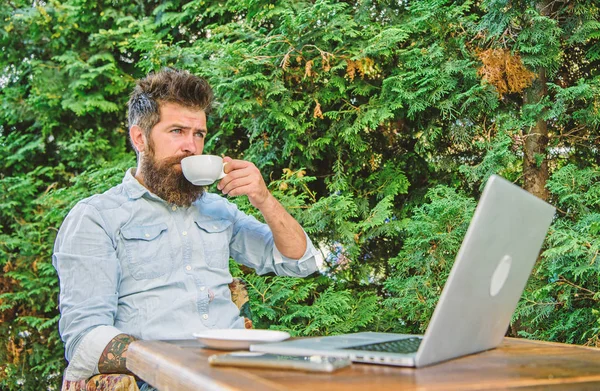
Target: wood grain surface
(517, 363)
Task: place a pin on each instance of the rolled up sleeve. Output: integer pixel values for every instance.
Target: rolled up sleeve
(296, 267)
(84, 362)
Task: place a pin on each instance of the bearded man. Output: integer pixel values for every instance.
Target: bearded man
(149, 258)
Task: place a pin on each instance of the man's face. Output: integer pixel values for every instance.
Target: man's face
(179, 133)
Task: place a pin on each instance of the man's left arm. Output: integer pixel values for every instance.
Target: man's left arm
(244, 178)
(114, 356)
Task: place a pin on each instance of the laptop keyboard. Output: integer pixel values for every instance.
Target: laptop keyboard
(404, 345)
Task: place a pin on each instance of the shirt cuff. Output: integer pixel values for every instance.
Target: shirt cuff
(306, 263)
(84, 363)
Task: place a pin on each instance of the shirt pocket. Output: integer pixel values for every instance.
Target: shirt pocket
(148, 250)
(215, 236)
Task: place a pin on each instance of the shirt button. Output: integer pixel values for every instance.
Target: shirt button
(188, 268)
(184, 233)
(202, 288)
(214, 227)
(173, 208)
(147, 235)
(205, 316)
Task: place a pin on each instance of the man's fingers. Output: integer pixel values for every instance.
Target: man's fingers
(236, 183)
(243, 178)
(241, 190)
(231, 173)
(237, 164)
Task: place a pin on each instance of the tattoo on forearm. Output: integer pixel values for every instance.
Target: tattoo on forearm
(112, 359)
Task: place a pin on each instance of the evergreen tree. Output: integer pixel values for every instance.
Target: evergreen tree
(376, 123)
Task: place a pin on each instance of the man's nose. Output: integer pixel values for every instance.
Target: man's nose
(189, 145)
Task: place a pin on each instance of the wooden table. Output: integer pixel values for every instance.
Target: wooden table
(517, 363)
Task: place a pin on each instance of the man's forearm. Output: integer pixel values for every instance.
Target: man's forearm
(113, 358)
(243, 178)
(288, 235)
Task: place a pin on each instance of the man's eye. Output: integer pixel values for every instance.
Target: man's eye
(200, 134)
(176, 131)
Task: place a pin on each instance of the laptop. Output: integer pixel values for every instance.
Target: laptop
(474, 311)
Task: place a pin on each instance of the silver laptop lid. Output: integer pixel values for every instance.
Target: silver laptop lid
(491, 269)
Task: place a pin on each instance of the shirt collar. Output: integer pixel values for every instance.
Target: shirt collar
(133, 187)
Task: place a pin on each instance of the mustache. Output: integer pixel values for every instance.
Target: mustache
(170, 161)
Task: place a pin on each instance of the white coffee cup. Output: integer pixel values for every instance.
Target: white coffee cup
(203, 170)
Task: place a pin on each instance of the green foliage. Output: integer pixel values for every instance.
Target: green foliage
(306, 307)
(433, 235)
(562, 300)
(376, 123)
(498, 158)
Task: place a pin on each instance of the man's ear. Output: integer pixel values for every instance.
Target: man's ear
(137, 138)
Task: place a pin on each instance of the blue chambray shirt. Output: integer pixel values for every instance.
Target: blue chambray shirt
(129, 260)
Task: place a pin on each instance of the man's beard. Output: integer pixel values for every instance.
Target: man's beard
(164, 180)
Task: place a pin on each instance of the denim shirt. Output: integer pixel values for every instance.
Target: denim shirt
(128, 262)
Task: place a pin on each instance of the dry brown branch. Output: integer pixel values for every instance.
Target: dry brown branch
(505, 71)
(317, 113)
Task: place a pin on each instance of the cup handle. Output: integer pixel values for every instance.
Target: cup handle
(222, 174)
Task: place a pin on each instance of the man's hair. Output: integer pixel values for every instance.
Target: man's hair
(167, 86)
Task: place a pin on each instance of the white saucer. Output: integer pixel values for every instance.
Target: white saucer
(237, 339)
